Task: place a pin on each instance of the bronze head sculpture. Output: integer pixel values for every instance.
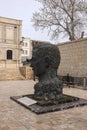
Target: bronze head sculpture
(45, 61)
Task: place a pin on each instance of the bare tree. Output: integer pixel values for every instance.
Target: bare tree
(62, 16)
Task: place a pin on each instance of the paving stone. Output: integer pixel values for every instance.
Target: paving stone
(15, 117)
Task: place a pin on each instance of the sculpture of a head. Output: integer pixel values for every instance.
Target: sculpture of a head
(45, 56)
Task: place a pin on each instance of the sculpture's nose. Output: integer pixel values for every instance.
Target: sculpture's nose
(31, 65)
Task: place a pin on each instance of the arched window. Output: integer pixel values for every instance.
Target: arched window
(9, 54)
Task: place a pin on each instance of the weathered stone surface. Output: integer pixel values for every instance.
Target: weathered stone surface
(15, 117)
(73, 58)
(10, 31)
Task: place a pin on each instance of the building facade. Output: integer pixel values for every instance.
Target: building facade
(26, 49)
(10, 36)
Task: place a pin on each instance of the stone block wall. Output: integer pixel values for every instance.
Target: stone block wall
(10, 74)
(73, 58)
(27, 72)
(10, 37)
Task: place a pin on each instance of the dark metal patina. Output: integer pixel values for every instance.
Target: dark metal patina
(45, 61)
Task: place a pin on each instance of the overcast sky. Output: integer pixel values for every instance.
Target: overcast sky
(23, 10)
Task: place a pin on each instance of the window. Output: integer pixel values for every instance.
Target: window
(22, 43)
(26, 52)
(9, 54)
(26, 44)
(22, 51)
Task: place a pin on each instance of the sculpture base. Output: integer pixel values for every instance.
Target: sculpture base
(42, 106)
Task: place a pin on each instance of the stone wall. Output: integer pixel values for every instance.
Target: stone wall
(73, 58)
(27, 72)
(10, 74)
(10, 37)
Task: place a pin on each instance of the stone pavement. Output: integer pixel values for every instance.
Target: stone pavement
(15, 117)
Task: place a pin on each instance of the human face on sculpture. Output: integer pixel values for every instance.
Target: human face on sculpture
(38, 64)
(45, 57)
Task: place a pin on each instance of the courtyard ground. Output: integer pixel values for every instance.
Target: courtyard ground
(15, 117)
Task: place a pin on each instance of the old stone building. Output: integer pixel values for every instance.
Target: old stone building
(10, 34)
(10, 49)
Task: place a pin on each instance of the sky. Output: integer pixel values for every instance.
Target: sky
(23, 10)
